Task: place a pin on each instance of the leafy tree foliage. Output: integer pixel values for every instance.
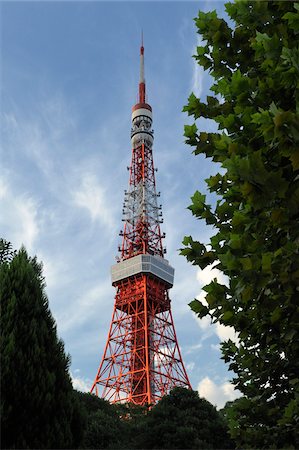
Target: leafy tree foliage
(38, 408)
(134, 425)
(179, 420)
(103, 427)
(255, 67)
(183, 420)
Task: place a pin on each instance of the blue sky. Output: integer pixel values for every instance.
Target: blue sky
(69, 77)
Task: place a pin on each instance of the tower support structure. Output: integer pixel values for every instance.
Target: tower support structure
(142, 359)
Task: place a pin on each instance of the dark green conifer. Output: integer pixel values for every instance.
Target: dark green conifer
(37, 402)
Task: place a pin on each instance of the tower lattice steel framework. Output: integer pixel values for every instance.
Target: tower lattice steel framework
(142, 360)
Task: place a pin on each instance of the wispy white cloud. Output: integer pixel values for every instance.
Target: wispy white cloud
(192, 348)
(88, 305)
(36, 147)
(3, 189)
(94, 198)
(190, 366)
(215, 347)
(57, 117)
(197, 80)
(19, 220)
(197, 73)
(217, 394)
(60, 272)
(23, 137)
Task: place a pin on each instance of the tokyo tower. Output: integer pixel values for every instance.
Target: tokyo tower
(142, 360)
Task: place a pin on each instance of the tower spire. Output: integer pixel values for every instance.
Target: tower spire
(142, 80)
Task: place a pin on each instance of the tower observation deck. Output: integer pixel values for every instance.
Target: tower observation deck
(142, 360)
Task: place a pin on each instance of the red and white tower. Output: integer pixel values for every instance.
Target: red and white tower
(142, 360)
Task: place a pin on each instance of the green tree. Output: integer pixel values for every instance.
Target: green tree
(6, 251)
(179, 420)
(255, 67)
(103, 426)
(133, 425)
(183, 420)
(38, 408)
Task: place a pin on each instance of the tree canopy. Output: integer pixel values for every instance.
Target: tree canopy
(38, 409)
(255, 67)
(183, 420)
(103, 428)
(179, 420)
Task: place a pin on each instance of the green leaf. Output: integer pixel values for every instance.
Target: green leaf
(227, 316)
(199, 308)
(201, 50)
(266, 262)
(295, 160)
(235, 241)
(198, 204)
(293, 19)
(246, 263)
(276, 315)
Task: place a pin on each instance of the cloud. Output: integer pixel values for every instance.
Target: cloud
(206, 275)
(204, 324)
(37, 147)
(79, 383)
(225, 333)
(218, 395)
(197, 73)
(23, 137)
(92, 196)
(193, 348)
(197, 79)
(3, 189)
(19, 220)
(53, 270)
(57, 117)
(87, 306)
(190, 366)
(215, 347)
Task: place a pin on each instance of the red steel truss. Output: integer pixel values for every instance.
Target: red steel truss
(142, 360)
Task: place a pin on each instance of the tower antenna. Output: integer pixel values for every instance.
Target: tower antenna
(141, 79)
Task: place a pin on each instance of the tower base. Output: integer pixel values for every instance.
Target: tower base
(142, 360)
